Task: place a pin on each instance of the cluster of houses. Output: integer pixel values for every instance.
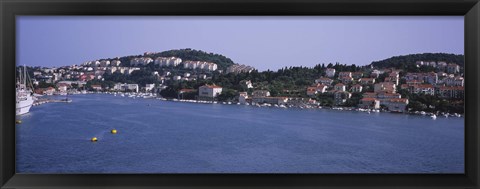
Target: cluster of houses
(239, 68)
(174, 61)
(446, 85)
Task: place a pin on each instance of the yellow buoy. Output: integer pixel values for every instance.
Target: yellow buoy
(114, 131)
(18, 121)
(94, 139)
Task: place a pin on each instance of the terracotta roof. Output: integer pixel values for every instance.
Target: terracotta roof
(404, 100)
(187, 90)
(367, 79)
(368, 99)
(423, 86)
(211, 86)
(452, 88)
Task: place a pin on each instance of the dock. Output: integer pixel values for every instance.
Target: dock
(43, 101)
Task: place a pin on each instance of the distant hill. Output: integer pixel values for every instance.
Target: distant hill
(408, 60)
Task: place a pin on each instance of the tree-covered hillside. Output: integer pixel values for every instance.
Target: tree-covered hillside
(185, 54)
(196, 55)
(409, 60)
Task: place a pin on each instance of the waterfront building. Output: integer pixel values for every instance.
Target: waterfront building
(62, 87)
(97, 87)
(396, 104)
(270, 100)
(341, 97)
(324, 81)
(209, 91)
(45, 91)
(149, 87)
(126, 87)
(261, 93)
(369, 103)
(242, 97)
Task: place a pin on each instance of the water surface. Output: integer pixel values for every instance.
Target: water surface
(172, 137)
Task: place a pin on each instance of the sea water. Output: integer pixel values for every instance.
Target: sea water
(157, 136)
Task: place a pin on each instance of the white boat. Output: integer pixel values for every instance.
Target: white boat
(433, 116)
(23, 94)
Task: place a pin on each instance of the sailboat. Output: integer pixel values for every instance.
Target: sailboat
(23, 94)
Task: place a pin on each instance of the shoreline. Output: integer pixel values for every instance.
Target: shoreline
(305, 106)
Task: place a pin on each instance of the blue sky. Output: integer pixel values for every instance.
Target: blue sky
(262, 42)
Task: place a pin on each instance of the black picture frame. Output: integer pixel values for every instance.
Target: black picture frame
(9, 9)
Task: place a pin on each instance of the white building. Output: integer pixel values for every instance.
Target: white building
(242, 97)
(209, 91)
(239, 68)
(200, 65)
(141, 61)
(330, 72)
(115, 63)
(168, 61)
(125, 87)
(149, 87)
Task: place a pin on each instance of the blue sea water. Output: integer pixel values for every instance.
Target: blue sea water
(172, 137)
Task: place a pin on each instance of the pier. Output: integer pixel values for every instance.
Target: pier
(43, 101)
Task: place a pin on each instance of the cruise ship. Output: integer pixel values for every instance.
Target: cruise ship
(24, 94)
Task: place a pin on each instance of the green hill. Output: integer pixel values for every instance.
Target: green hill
(409, 60)
(197, 55)
(185, 54)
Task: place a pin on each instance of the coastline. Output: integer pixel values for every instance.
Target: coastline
(264, 105)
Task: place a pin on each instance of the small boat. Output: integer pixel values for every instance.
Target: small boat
(433, 116)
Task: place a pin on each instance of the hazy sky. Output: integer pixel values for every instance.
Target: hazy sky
(262, 42)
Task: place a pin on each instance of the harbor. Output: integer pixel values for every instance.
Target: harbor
(173, 136)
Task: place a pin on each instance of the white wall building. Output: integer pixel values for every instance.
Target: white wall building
(141, 61)
(168, 61)
(330, 72)
(209, 91)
